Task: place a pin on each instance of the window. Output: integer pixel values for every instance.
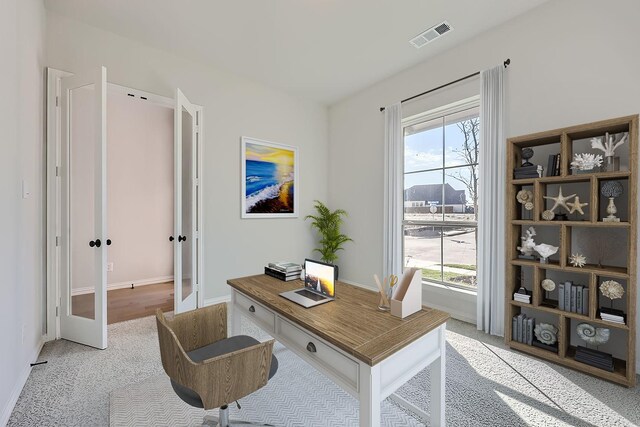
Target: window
(440, 194)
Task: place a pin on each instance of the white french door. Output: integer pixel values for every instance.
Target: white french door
(83, 272)
(186, 142)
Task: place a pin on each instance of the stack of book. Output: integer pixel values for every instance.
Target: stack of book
(525, 298)
(595, 358)
(283, 270)
(553, 167)
(533, 171)
(522, 328)
(573, 298)
(613, 315)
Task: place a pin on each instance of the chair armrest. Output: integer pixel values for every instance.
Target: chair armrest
(197, 328)
(223, 379)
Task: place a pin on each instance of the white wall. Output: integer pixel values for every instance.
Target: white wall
(22, 26)
(573, 61)
(233, 106)
(139, 187)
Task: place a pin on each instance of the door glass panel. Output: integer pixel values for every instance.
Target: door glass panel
(84, 259)
(187, 202)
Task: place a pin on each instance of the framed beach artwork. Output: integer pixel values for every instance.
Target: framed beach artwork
(269, 179)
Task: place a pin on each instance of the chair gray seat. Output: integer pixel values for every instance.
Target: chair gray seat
(218, 348)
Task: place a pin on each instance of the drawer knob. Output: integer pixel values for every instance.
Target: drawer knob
(252, 309)
(311, 347)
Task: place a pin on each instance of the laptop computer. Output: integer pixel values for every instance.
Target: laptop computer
(319, 285)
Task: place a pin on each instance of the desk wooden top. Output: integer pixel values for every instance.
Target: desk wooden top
(352, 322)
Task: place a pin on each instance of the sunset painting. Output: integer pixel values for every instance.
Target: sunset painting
(269, 179)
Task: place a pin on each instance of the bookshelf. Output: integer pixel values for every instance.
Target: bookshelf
(610, 247)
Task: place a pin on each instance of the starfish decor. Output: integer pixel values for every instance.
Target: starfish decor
(560, 200)
(576, 206)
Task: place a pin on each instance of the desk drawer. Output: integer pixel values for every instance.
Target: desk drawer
(260, 314)
(316, 351)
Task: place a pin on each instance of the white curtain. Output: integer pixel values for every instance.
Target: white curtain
(491, 214)
(393, 192)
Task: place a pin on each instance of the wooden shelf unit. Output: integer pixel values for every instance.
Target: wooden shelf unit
(562, 139)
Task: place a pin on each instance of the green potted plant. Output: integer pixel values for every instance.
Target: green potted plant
(328, 225)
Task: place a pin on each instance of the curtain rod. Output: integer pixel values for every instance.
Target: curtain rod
(505, 63)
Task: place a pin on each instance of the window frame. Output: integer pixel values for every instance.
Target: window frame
(438, 113)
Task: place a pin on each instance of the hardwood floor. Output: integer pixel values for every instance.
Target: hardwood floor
(128, 304)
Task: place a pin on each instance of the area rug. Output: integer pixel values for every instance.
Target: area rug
(487, 385)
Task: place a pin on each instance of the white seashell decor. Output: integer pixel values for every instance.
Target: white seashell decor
(611, 289)
(545, 250)
(577, 260)
(593, 335)
(546, 333)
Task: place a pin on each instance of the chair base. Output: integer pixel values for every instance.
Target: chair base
(222, 420)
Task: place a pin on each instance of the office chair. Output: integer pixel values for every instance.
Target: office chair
(209, 370)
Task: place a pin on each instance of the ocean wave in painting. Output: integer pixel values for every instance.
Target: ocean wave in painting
(266, 181)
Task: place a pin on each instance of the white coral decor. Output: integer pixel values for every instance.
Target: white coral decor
(612, 289)
(609, 147)
(586, 161)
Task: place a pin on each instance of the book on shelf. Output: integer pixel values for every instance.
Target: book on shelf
(287, 277)
(595, 358)
(567, 295)
(573, 298)
(579, 299)
(553, 348)
(287, 267)
(534, 171)
(613, 315)
(522, 328)
(551, 165)
(522, 298)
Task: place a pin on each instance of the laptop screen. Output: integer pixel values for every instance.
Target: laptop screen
(319, 277)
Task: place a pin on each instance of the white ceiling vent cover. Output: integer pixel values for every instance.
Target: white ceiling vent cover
(430, 35)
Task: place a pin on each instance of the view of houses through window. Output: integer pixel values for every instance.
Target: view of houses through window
(440, 196)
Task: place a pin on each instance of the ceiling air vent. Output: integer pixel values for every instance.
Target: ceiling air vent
(430, 35)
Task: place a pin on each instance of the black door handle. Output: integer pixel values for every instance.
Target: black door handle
(95, 243)
(108, 242)
(311, 347)
(252, 309)
(182, 238)
(171, 239)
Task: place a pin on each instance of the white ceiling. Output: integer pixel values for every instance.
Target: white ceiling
(322, 50)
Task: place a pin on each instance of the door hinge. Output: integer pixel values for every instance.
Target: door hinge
(57, 101)
(57, 240)
(57, 311)
(57, 170)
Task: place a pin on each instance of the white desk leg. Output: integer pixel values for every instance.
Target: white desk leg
(438, 382)
(235, 315)
(369, 395)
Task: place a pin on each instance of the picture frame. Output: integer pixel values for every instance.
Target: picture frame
(269, 179)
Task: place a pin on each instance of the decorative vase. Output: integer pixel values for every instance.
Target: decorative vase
(612, 211)
(611, 164)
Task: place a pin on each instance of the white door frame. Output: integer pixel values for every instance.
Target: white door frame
(53, 204)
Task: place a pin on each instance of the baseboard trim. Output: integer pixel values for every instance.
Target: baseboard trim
(217, 300)
(123, 285)
(22, 380)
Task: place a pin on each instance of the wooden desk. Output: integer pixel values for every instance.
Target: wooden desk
(367, 352)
